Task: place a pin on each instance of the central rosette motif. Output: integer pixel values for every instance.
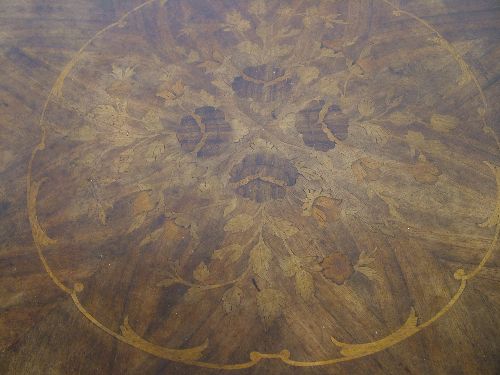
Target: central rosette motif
(263, 177)
(251, 165)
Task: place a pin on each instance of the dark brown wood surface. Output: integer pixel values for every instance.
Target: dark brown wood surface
(255, 187)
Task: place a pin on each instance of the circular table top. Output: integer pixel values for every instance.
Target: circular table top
(271, 186)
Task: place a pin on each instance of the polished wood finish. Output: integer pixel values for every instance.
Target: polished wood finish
(263, 187)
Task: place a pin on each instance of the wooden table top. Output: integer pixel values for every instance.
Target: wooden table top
(253, 187)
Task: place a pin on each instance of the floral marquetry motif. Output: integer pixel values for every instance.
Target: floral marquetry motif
(263, 83)
(337, 267)
(282, 166)
(322, 125)
(204, 132)
(261, 177)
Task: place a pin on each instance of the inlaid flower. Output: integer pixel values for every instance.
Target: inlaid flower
(204, 132)
(262, 177)
(337, 267)
(322, 126)
(264, 83)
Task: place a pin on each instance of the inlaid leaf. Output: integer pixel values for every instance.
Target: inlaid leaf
(366, 258)
(101, 214)
(326, 52)
(217, 55)
(347, 103)
(122, 162)
(239, 223)
(183, 221)
(97, 212)
(326, 209)
(283, 228)
(263, 31)
(122, 73)
(287, 122)
(377, 133)
(424, 171)
(109, 115)
(234, 19)
(220, 84)
(201, 272)
(211, 183)
(260, 259)
(270, 304)
(167, 283)
(230, 207)
(417, 141)
(443, 123)
(230, 253)
(311, 263)
(137, 222)
(308, 74)
(193, 57)
(151, 121)
(172, 233)
(193, 295)
(257, 7)
(402, 118)
(285, 11)
(366, 107)
(393, 206)
(85, 133)
(249, 48)
(206, 98)
(142, 203)
(151, 237)
(279, 50)
(171, 91)
(329, 85)
(355, 70)
(231, 300)
(193, 232)
(369, 272)
(365, 265)
(239, 130)
(393, 100)
(366, 169)
(308, 200)
(289, 265)
(304, 284)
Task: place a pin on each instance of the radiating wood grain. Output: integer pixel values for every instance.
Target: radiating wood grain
(270, 187)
